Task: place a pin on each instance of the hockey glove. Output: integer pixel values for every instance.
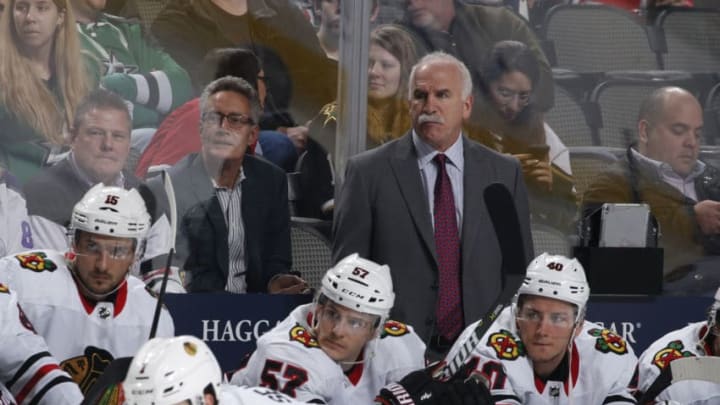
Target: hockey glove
(419, 388)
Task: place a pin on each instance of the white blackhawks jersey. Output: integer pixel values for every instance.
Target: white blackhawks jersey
(289, 360)
(28, 371)
(84, 336)
(235, 395)
(679, 343)
(603, 367)
(15, 230)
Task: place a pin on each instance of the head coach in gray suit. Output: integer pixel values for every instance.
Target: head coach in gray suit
(424, 215)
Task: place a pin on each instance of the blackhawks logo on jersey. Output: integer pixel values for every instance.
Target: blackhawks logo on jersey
(608, 342)
(506, 346)
(302, 335)
(394, 328)
(36, 261)
(88, 367)
(673, 350)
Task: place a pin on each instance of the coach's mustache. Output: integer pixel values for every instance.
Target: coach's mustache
(430, 118)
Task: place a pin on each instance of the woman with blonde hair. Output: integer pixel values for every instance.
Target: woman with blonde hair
(391, 57)
(43, 78)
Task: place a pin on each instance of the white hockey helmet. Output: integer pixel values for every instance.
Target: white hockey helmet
(361, 285)
(111, 211)
(167, 371)
(557, 277)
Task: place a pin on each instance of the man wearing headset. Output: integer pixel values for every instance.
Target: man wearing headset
(84, 302)
(542, 351)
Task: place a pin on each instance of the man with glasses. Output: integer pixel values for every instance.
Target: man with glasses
(232, 207)
(342, 348)
(541, 350)
(84, 302)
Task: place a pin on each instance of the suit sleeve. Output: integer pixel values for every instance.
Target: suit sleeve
(352, 225)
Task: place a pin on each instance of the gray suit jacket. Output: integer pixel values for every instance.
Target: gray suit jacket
(201, 241)
(382, 213)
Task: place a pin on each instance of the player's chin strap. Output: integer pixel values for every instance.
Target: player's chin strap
(366, 357)
(70, 258)
(578, 324)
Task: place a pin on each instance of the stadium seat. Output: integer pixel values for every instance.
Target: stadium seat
(617, 102)
(596, 38)
(550, 240)
(691, 39)
(567, 118)
(311, 250)
(711, 130)
(587, 162)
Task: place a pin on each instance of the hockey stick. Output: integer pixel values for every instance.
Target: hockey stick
(116, 371)
(501, 208)
(170, 193)
(706, 368)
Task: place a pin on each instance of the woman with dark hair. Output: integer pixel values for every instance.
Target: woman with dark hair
(511, 124)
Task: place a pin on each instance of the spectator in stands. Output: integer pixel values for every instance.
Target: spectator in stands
(328, 12)
(541, 350)
(83, 300)
(663, 170)
(416, 204)
(43, 78)
(179, 135)
(697, 339)
(510, 123)
(132, 67)
(303, 79)
(15, 231)
(30, 375)
(469, 31)
(232, 207)
(100, 143)
(360, 349)
(391, 56)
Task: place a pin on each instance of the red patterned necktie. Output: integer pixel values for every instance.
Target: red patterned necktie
(447, 244)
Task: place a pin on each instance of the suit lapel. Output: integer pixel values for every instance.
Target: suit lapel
(407, 174)
(205, 193)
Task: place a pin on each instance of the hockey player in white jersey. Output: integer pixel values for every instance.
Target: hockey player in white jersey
(29, 373)
(15, 230)
(342, 348)
(695, 340)
(540, 350)
(84, 302)
(182, 370)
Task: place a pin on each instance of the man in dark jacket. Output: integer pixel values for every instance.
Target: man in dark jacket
(663, 171)
(232, 207)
